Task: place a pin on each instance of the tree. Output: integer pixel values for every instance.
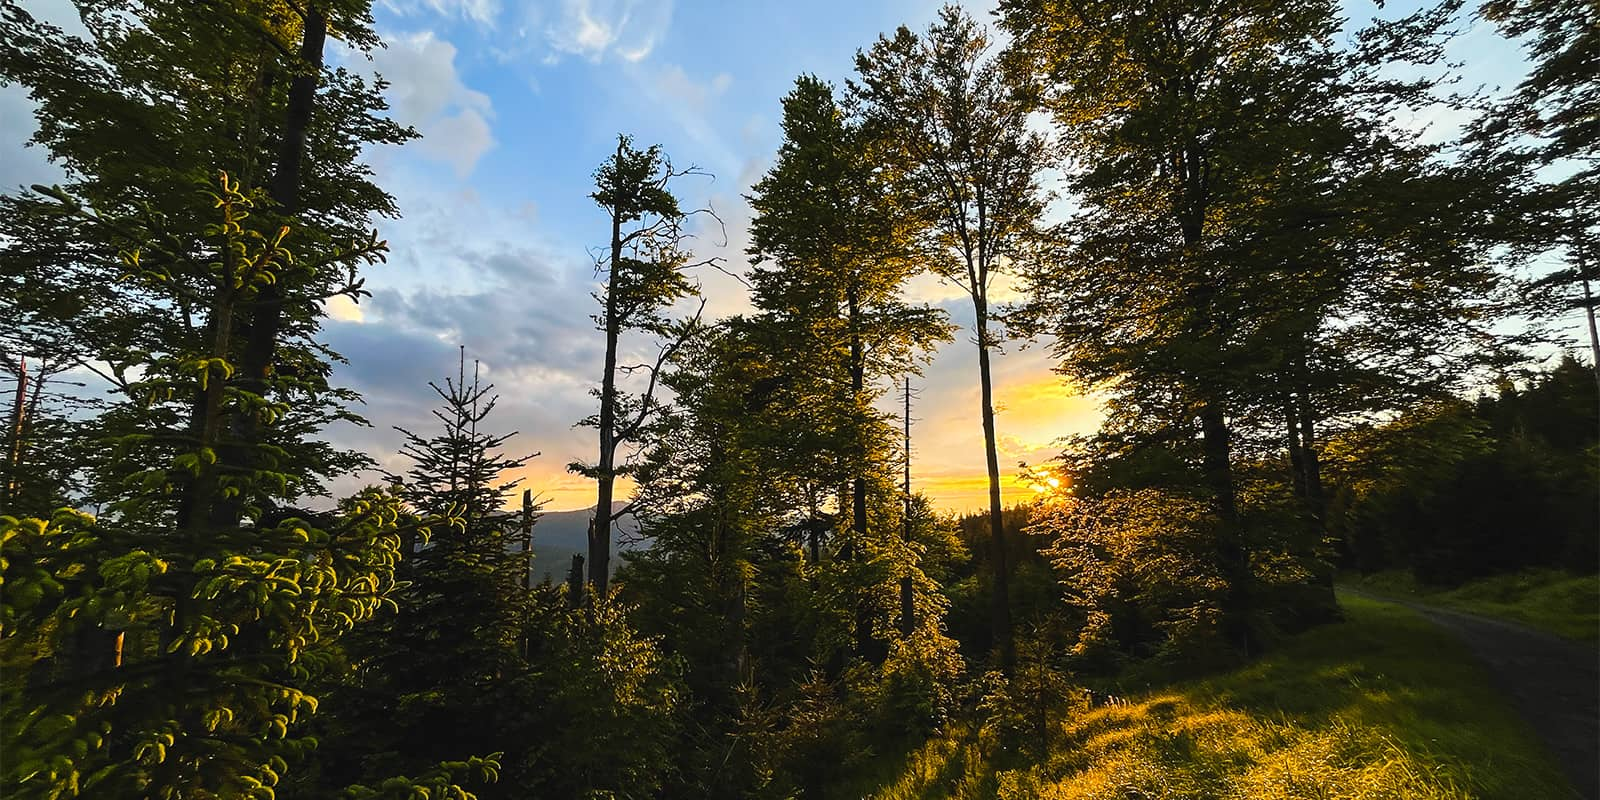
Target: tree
(833, 247)
(44, 445)
(1550, 121)
(644, 275)
(965, 149)
(155, 659)
(207, 87)
(766, 632)
(438, 680)
(1258, 251)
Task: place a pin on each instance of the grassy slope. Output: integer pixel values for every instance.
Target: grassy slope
(1383, 705)
(1558, 602)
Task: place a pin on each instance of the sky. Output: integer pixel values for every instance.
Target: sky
(517, 103)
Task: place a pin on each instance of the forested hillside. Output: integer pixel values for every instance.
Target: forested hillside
(1329, 342)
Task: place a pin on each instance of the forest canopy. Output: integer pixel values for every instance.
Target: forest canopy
(1325, 340)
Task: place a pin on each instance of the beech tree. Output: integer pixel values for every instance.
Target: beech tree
(644, 267)
(965, 152)
(1549, 120)
(153, 658)
(235, 87)
(1259, 249)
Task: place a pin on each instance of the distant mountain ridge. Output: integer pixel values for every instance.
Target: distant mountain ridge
(557, 535)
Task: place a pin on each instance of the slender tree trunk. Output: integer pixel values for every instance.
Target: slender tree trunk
(908, 608)
(266, 319)
(600, 526)
(1297, 465)
(858, 485)
(858, 381)
(1311, 463)
(1326, 607)
(1594, 334)
(1000, 610)
(527, 538)
(14, 435)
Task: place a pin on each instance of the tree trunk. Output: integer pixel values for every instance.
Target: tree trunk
(1594, 333)
(1297, 466)
(1232, 556)
(908, 608)
(266, 321)
(14, 435)
(1325, 607)
(600, 527)
(858, 381)
(1000, 610)
(1311, 463)
(865, 645)
(575, 582)
(527, 538)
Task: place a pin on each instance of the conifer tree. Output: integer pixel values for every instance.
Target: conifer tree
(435, 680)
(834, 247)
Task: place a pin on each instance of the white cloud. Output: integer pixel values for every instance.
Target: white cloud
(596, 29)
(483, 12)
(427, 93)
(343, 309)
(459, 139)
(677, 86)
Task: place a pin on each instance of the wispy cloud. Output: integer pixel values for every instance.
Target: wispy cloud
(482, 12)
(600, 29)
(427, 92)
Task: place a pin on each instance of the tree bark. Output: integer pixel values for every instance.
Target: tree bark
(1000, 610)
(605, 468)
(266, 320)
(14, 431)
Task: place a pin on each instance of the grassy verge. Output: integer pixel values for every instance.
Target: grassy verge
(1384, 705)
(1551, 600)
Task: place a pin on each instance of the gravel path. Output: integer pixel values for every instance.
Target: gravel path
(1553, 682)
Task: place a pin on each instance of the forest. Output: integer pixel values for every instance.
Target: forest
(1341, 360)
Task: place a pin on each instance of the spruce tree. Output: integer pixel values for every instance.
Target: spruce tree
(437, 679)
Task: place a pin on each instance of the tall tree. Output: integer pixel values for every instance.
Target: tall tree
(966, 151)
(833, 243)
(208, 87)
(152, 659)
(1258, 249)
(1550, 120)
(644, 267)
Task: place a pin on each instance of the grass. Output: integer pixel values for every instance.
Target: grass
(1551, 600)
(1383, 705)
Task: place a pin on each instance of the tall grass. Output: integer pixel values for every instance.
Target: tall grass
(1558, 602)
(1383, 705)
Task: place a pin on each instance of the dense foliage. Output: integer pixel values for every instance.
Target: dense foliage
(1309, 322)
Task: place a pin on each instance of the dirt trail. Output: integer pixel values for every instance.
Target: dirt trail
(1553, 682)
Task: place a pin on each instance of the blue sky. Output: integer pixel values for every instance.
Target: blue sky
(518, 103)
